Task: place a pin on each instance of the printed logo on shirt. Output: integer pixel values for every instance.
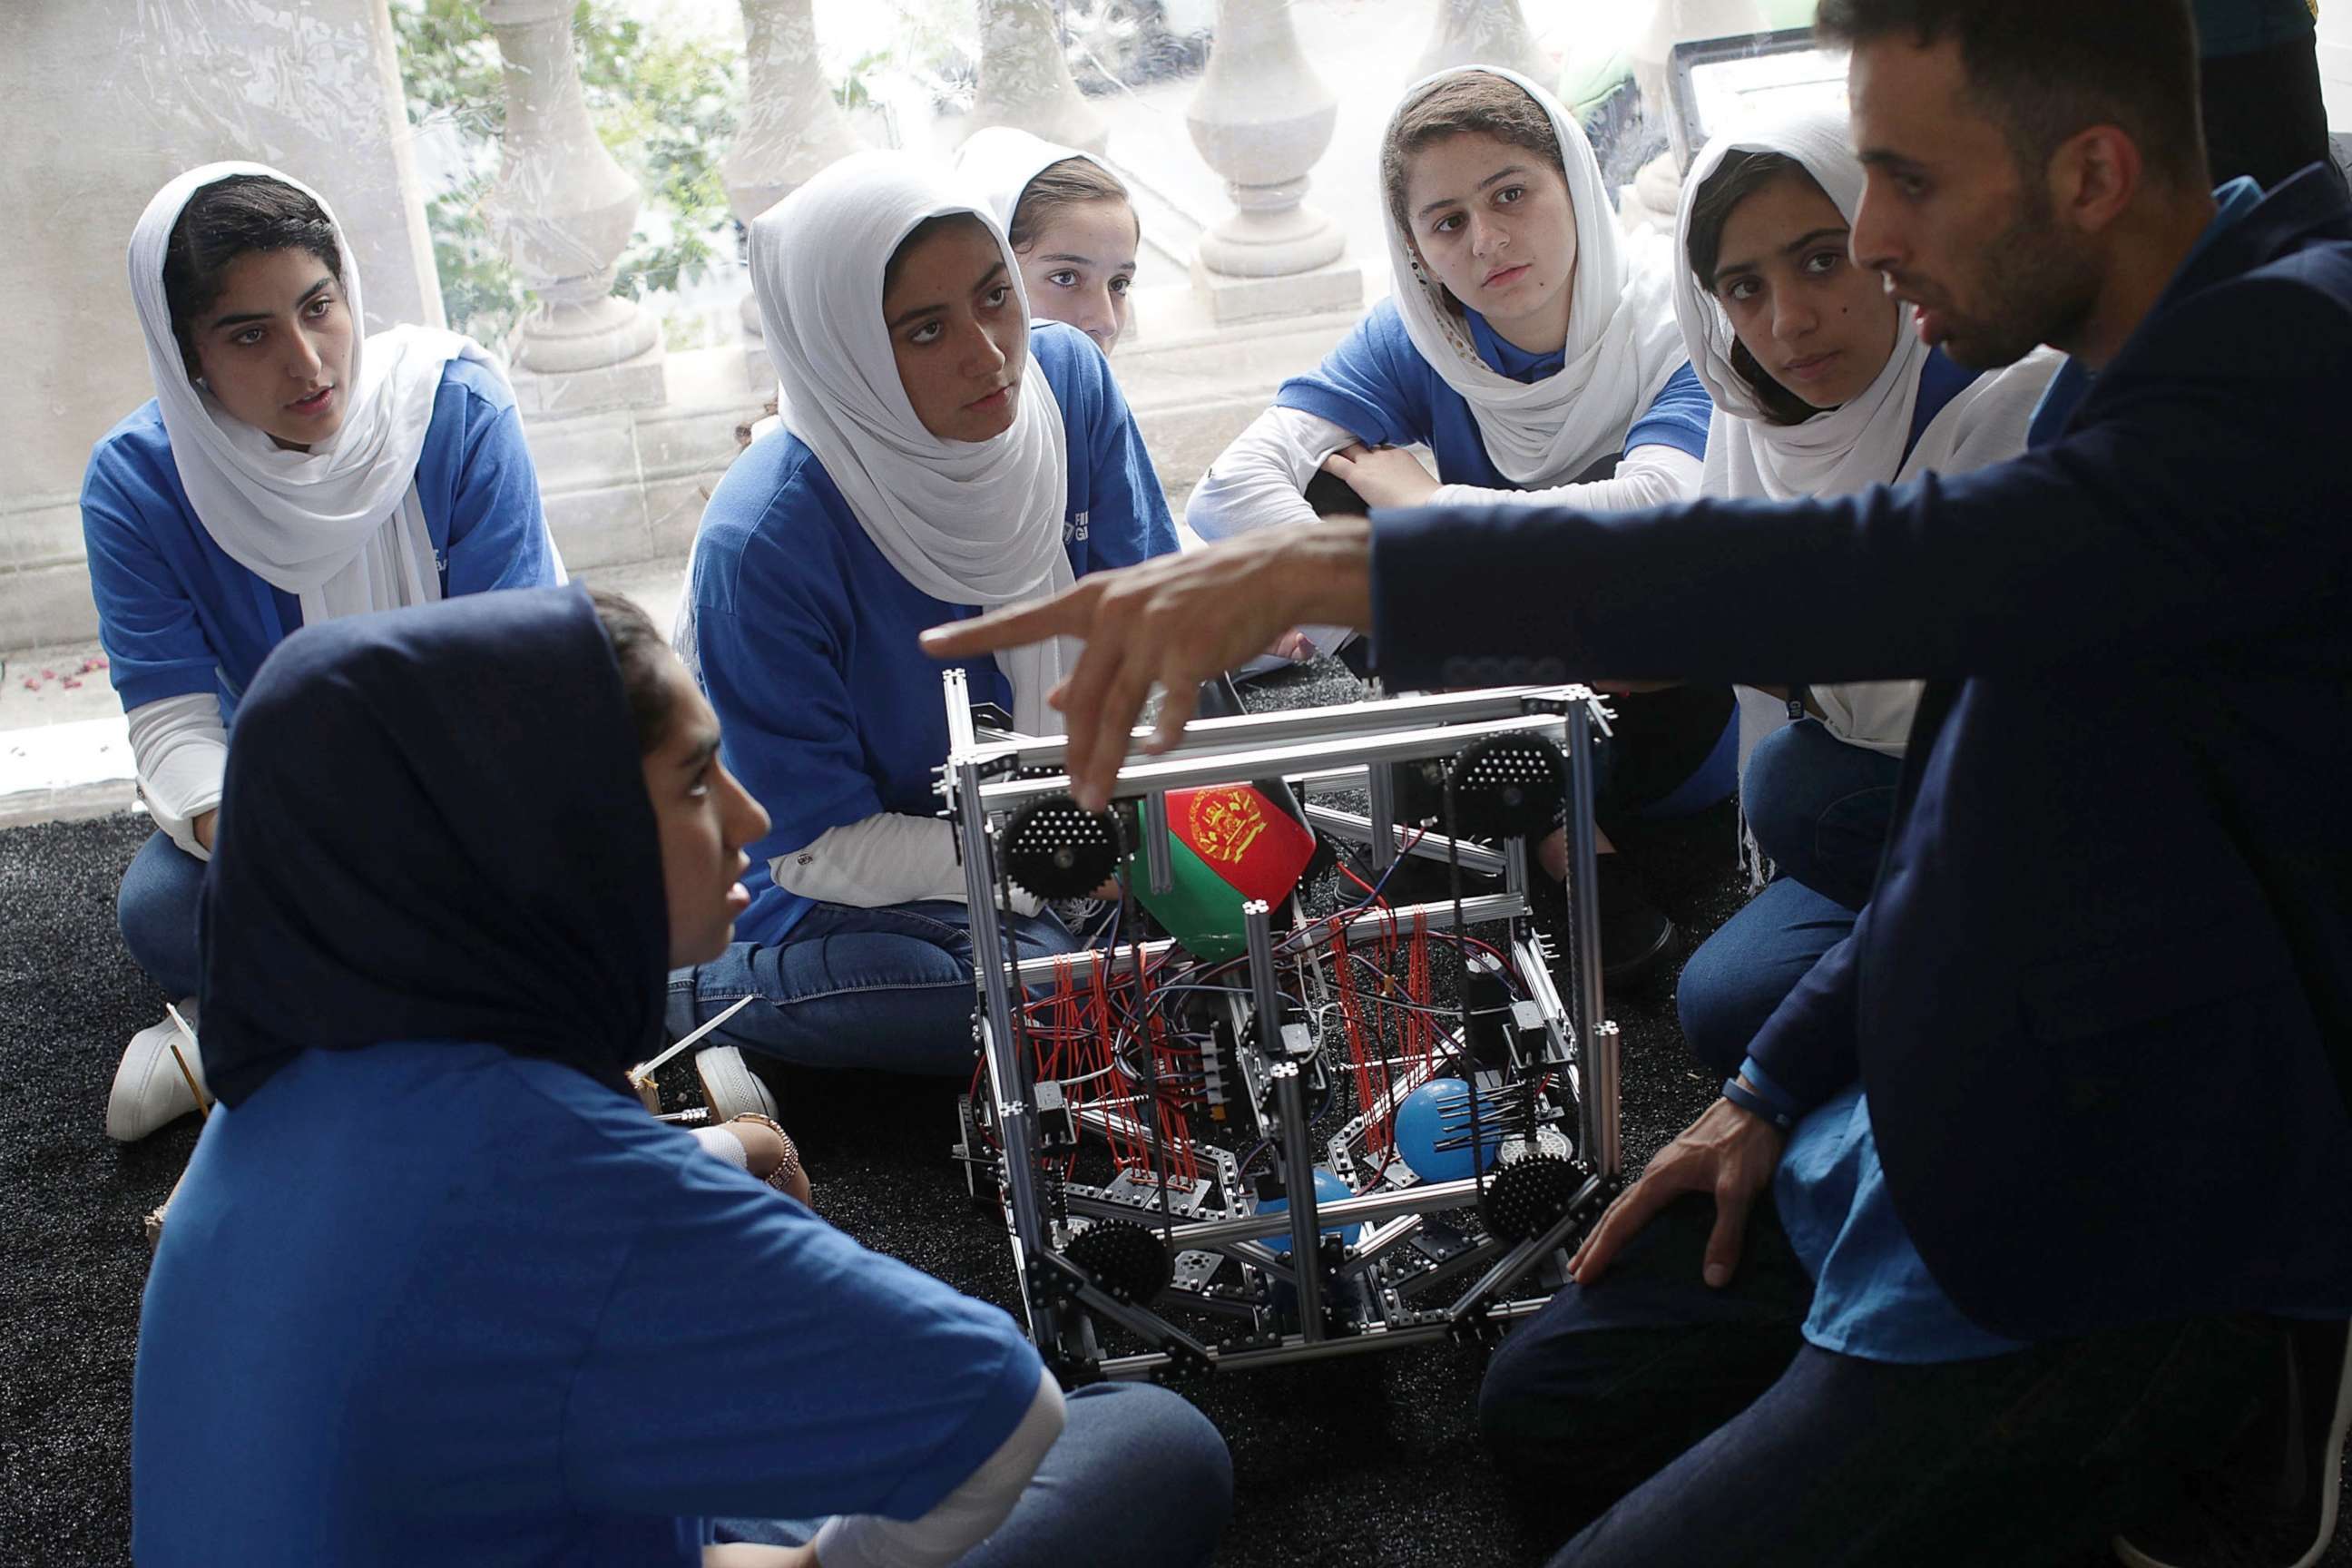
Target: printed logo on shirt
(1074, 527)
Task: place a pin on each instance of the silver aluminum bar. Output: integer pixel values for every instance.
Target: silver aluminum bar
(1290, 1103)
(1381, 785)
(1485, 907)
(1159, 869)
(1358, 829)
(1606, 1151)
(1429, 1197)
(1522, 1258)
(1370, 717)
(1008, 1075)
(1194, 771)
(1294, 1347)
(1584, 1000)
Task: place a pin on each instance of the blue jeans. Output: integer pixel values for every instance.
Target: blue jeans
(157, 911)
(889, 988)
(1821, 809)
(1138, 1477)
(1710, 1432)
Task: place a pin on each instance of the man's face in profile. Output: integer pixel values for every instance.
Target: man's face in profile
(1949, 217)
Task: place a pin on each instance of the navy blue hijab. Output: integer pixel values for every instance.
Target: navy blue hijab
(434, 828)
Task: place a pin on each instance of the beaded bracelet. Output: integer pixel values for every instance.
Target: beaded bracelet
(780, 1178)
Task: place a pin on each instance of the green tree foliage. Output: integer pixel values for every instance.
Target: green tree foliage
(666, 107)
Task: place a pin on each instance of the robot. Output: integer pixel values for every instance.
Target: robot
(1259, 1139)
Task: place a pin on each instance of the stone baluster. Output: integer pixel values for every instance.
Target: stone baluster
(791, 127)
(1024, 77)
(1262, 119)
(1483, 33)
(564, 210)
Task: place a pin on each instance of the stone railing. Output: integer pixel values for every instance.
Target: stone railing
(627, 437)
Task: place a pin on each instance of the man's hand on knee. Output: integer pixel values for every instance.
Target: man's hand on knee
(1727, 1153)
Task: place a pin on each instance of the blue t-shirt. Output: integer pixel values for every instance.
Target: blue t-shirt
(829, 709)
(1376, 386)
(177, 616)
(437, 1303)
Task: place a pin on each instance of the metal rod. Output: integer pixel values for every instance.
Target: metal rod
(1290, 1102)
(1429, 845)
(1008, 1075)
(1487, 906)
(1193, 771)
(1295, 1348)
(1604, 1148)
(1428, 1198)
(1355, 719)
(1382, 821)
(1584, 1000)
(1159, 870)
(1522, 1258)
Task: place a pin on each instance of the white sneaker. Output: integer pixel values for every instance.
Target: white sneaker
(729, 1086)
(149, 1090)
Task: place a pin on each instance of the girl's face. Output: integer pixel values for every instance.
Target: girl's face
(1817, 323)
(705, 818)
(276, 348)
(1493, 222)
(957, 333)
(1080, 266)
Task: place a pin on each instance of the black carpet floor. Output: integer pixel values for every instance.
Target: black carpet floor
(1370, 1460)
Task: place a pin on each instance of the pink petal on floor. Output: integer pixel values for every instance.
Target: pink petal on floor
(71, 682)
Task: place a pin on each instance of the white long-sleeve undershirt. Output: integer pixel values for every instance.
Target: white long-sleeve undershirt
(1649, 476)
(887, 859)
(961, 1519)
(180, 748)
(1260, 479)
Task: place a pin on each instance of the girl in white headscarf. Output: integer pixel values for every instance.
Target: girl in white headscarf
(1070, 222)
(937, 452)
(1531, 346)
(288, 471)
(1822, 386)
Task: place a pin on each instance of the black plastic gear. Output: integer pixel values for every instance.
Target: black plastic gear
(1527, 1195)
(1508, 786)
(1057, 849)
(1127, 1260)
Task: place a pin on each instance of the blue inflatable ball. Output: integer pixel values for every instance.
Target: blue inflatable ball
(1329, 1189)
(1439, 1113)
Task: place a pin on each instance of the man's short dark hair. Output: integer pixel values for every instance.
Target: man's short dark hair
(2048, 69)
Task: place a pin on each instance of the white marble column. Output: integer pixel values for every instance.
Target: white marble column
(1024, 77)
(791, 127)
(564, 211)
(1261, 119)
(1483, 33)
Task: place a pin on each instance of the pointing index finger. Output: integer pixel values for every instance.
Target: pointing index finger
(1067, 615)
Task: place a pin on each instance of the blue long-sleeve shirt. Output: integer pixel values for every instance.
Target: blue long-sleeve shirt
(829, 711)
(177, 616)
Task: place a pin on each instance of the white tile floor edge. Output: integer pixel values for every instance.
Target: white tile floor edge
(65, 753)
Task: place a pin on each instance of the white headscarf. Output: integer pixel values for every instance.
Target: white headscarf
(1847, 449)
(973, 523)
(1860, 442)
(999, 162)
(330, 526)
(1622, 342)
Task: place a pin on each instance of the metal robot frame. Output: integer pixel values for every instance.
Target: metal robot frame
(1495, 1230)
